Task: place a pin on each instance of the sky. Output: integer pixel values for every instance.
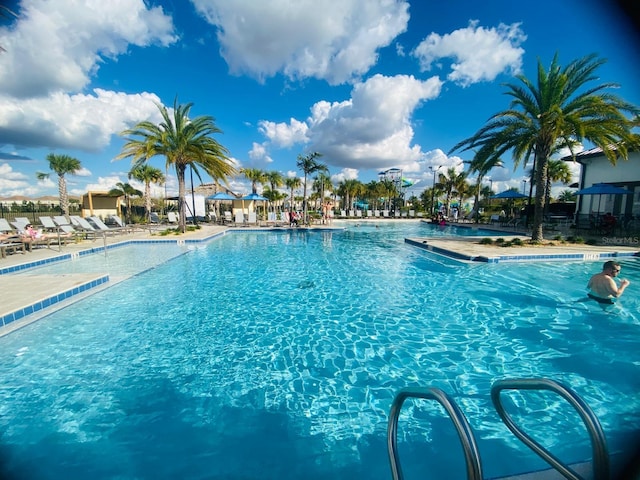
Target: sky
(369, 84)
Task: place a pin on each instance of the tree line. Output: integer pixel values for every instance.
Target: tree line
(560, 110)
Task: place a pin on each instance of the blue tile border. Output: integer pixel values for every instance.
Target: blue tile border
(545, 257)
(52, 300)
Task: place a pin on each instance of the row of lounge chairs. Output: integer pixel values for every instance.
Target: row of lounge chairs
(57, 230)
(380, 214)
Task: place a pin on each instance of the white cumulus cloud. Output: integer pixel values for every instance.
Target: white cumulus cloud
(334, 40)
(84, 122)
(373, 128)
(58, 46)
(478, 53)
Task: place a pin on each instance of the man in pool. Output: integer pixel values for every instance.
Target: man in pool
(602, 286)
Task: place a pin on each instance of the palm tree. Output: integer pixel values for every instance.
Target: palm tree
(147, 174)
(127, 191)
(255, 176)
(567, 196)
(557, 171)
(183, 142)
(62, 165)
(292, 183)
(308, 164)
(481, 166)
(321, 184)
(275, 180)
(448, 182)
(557, 111)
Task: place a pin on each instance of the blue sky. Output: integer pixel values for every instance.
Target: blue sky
(370, 84)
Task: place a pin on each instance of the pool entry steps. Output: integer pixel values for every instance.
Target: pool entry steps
(600, 461)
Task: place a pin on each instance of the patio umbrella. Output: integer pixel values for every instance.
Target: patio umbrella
(509, 194)
(220, 196)
(254, 197)
(602, 189)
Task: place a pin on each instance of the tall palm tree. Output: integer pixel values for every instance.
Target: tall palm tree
(322, 184)
(275, 180)
(183, 142)
(308, 164)
(567, 196)
(350, 190)
(558, 110)
(557, 171)
(448, 182)
(147, 174)
(482, 166)
(127, 191)
(255, 176)
(292, 183)
(61, 165)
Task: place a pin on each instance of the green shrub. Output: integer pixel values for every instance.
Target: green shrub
(486, 241)
(516, 241)
(558, 238)
(500, 241)
(591, 241)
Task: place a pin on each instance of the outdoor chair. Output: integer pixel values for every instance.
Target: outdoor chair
(102, 227)
(11, 246)
(172, 217)
(239, 218)
(51, 228)
(84, 227)
(129, 228)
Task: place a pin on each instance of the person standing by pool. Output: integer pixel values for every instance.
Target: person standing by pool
(602, 286)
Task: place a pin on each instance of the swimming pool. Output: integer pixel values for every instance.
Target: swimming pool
(277, 355)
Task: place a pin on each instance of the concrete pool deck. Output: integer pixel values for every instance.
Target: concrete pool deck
(468, 249)
(28, 296)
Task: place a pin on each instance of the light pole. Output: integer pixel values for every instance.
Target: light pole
(524, 185)
(433, 189)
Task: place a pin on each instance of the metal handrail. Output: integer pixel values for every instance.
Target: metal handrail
(467, 439)
(596, 434)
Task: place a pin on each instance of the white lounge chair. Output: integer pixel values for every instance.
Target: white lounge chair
(239, 218)
(228, 217)
(102, 227)
(84, 227)
(252, 218)
(172, 217)
(49, 226)
(120, 223)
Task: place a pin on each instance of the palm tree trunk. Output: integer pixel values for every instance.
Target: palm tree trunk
(64, 197)
(541, 180)
(182, 214)
(304, 201)
(147, 200)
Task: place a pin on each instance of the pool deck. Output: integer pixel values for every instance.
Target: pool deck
(28, 296)
(468, 249)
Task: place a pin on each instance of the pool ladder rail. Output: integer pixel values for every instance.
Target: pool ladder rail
(600, 463)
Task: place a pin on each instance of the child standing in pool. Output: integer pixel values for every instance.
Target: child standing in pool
(602, 286)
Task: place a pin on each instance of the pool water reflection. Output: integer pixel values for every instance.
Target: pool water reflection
(277, 355)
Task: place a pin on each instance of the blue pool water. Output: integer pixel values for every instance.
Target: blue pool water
(277, 355)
